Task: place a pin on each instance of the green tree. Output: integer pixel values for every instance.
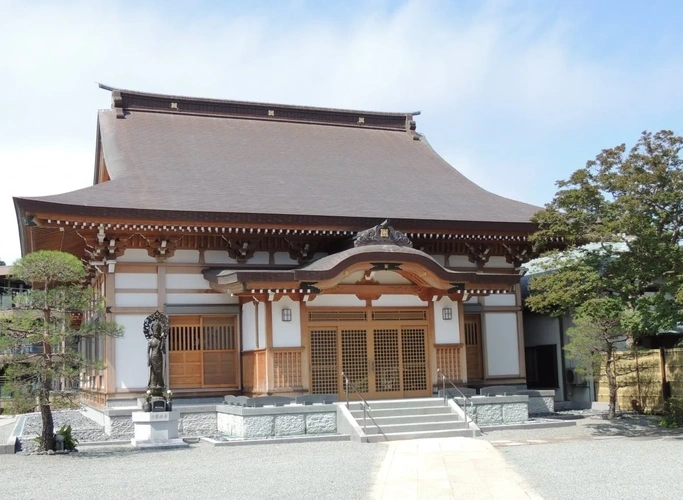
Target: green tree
(41, 337)
(601, 328)
(619, 220)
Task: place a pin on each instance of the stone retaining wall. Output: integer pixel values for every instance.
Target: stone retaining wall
(292, 420)
(541, 402)
(236, 421)
(496, 410)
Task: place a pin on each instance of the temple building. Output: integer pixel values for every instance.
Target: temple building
(287, 245)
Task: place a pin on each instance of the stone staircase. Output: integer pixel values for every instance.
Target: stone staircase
(398, 419)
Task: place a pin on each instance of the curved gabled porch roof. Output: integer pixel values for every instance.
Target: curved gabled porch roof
(326, 274)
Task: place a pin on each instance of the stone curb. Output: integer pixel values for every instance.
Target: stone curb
(534, 425)
(9, 447)
(13, 440)
(302, 439)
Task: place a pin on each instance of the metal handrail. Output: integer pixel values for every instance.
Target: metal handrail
(366, 405)
(444, 378)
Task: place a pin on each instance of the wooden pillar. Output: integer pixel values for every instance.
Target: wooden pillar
(110, 342)
(463, 341)
(431, 345)
(270, 362)
(161, 306)
(306, 344)
(520, 331)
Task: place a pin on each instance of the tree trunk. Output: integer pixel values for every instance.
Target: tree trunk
(47, 439)
(610, 368)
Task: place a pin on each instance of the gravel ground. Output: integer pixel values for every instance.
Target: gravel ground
(83, 428)
(628, 458)
(328, 470)
(613, 469)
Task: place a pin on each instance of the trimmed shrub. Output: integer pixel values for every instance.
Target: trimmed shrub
(673, 413)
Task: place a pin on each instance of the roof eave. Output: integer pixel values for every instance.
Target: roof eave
(245, 218)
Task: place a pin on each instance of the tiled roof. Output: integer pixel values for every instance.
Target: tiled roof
(189, 159)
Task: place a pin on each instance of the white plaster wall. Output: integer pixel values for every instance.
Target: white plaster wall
(446, 331)
(136, 299)
(186, 281)
(283, 258)
(502, 349)
(286, 333)
(200, 298)
(184, 257)
(135, 255)
(248, 327)
(336, 301)
(502, 299)
(498, 261)
(261, 311)
(460, 261)
(218, 257)
(399, 301)
(136, 280)
(259, 258)
(131, 353)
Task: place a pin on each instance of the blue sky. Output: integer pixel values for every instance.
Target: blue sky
(515, 94)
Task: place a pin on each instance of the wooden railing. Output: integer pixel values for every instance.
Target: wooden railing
(287, 369)
(448, 360)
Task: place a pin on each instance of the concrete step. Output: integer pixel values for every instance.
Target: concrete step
(385, 404)
(410, 419)
(413, 427)
(399, 412)
(398, 436)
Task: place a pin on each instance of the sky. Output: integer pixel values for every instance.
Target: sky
(515, 94)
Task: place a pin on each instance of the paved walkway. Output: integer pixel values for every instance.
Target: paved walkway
(448, 468)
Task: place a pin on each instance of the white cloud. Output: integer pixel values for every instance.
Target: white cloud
(486, 79)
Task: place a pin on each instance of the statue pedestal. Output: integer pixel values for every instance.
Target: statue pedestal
(156, 429)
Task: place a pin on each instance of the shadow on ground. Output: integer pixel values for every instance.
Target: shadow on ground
(631, 425)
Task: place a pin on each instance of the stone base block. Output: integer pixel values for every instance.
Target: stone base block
(155, 427)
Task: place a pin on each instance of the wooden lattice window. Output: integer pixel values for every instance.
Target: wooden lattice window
(387, 376)
(414, 359)
(355, 358)
(324, 373)
(448, 360)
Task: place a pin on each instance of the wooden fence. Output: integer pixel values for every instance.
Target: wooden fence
(641, 374)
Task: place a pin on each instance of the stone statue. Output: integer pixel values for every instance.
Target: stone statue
(156, 329)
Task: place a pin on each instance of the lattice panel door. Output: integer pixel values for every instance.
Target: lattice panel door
(387, 364)
(355, 358)
(324, 373)
(185, 353)
(473, 347)
(220, 355)
(414, 359)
